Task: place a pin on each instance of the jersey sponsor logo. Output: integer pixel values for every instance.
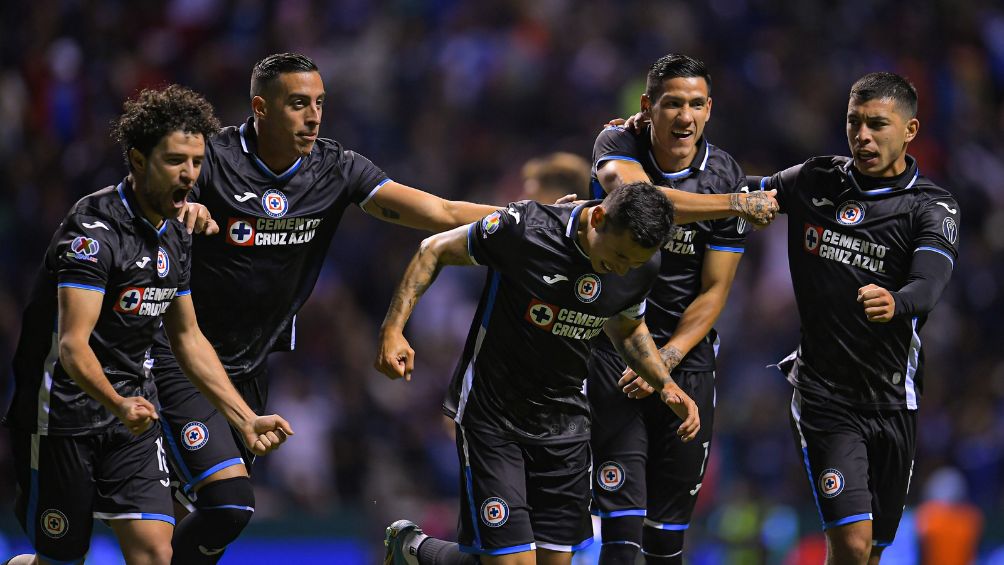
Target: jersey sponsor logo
(194, 435)
(587, 288)
(84, 248)
(163, 262)
(813, 235)
(100, 224)
(490, 223)
(244, 197)
(554, 279)
(942, 204)
(247, 232)
(611, 476)
(274, 203)
(150, 301)
(681, 241)
(951, 229)
(850, 213)
(563, 322)
(142, 262)
(846, 249)
(831, 483)
(54, 523)
(494, 512)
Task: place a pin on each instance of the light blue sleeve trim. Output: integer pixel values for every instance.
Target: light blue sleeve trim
(81, 286)
(939, 251)
(615, 158)
(184, 292)
(727, 249)
(373, 192)
(763, 183)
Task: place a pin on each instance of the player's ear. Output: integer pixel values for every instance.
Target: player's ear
(597, 217)
(645, 103)
(258, 106)
(912, 127)
(137, 161)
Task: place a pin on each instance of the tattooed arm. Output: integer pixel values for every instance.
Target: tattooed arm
(396, 358)
(413, 208)
(634, 343)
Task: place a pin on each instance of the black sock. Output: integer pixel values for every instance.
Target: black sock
(621, 538)
(438, 552)
(662, 547)
(222, 509)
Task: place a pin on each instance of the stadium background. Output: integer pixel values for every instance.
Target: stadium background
(453, 97)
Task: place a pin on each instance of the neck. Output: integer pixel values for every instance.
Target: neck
(582, 230)
(146, 209)
(273, 157)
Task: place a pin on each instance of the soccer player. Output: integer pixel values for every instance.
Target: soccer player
(646, 479)
(278, 192)
(871, 244)
(559, 276)
(83, 411)
(552, 177)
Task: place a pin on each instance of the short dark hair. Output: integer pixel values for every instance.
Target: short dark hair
(881, 85)
(642, 209)
(560, 172)
(156, 112)
(269, 68)
(674, 65)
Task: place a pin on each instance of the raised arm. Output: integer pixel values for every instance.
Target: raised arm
(413, 208)
(635, 345)
(79, 310)
(758, 208)
(396, 358)
(201, 365)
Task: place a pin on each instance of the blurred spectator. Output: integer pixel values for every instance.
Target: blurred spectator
(548, 178)
(948, 525)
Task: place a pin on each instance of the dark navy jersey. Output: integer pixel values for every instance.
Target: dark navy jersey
(103, 245)
(842, 236)
(250, 280)
(524, 363)
(712, 171)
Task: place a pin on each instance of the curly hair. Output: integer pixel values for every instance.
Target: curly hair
(155, 113)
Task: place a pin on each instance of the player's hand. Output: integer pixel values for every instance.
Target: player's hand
(635, 123)
(137, 413)
(633, 385)
(266, 433)
(567, 199)
(759, 208)
(684, 407)
(196, 218)
(879, 304)
(396, 358)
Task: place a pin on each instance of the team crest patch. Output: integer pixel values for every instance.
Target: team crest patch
(831, 483)
(54, 523)
(240, 232)
(541, 314)
(494, 512)
(850, 213)
(587, 287)
(194, 435)
(812, 237)
(274, 203)
(163, 262)
(951, 230)
(129, 300)
(84, 248)
(491, 222)
(611, 476)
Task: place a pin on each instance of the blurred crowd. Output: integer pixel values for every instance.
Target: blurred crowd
(455, 97)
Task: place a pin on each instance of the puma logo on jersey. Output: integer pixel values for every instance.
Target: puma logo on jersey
(100, 224)
(555, 279)
(142, 262)
(245, 197)
(821, 202)
(942, 204)
(514, 214)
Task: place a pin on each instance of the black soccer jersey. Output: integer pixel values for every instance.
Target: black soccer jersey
(524, 363)
(712, 171)
(250, 280)
(103, 245)
(842, 236)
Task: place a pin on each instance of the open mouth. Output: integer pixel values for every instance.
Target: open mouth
(179, 195)
(867, 157)
(682, 134)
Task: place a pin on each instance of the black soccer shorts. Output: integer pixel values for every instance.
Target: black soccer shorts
(859, 462)
(516, 497)
(64, 483)
(199, 439)
(642, 468)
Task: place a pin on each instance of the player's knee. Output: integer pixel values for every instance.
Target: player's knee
(621, 540)
(849, 546)
(228, 506)
(149, 552)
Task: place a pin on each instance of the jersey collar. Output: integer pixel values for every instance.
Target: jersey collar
(249, 145)
(572, 226)
(699, 163)
(904, 182)
(128, 197)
